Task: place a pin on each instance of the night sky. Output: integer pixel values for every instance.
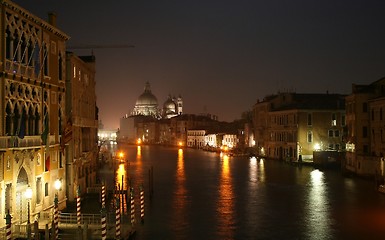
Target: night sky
(222, 56)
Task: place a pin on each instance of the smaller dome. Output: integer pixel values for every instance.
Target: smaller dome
(169, 105)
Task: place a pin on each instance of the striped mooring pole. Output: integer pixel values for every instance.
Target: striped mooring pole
(117, 218)
(132, 204)
(104, 222)
(103, 195)
(141, 204)
(78, 206)
(8, 222)
(56, 216)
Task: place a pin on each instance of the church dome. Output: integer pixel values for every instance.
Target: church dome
(169, 105)
(147, 98)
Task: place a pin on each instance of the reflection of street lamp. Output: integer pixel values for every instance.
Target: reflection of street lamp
(28, 196)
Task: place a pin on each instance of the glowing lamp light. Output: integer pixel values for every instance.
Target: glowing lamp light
(57, 184)
(121, 154)
(28, 193)
(139, 141)
(317, 147)
(180, 144)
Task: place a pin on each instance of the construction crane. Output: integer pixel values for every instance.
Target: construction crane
(100, 46)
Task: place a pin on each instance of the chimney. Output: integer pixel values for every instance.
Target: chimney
(52, 18)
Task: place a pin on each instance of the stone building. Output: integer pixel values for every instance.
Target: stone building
(365, 140)
(146, 119)
(32, 101)
(291, 125)
(82, 124)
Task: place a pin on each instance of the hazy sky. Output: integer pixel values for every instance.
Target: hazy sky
(222, 56)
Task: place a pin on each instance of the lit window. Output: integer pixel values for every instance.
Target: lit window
(309, 119)
(309, 136)
(334, 119)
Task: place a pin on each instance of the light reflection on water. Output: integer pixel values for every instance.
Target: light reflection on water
(204, 195)
(317, 207)
(179, 200)
(225, 204)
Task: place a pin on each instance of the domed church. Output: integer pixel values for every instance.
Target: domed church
(147, 105)
(172, 107)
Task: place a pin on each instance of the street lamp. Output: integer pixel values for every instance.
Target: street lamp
(57, 184)
(28, 196)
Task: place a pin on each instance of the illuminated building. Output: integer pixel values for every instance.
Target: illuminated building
(365, 122)
(172, 107)
(33, 113)
(288, 126)
(147, 120)
(196, 138)
(146, 104)
(82, 147)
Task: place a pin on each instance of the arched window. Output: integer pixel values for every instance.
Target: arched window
(45, 59)
(8, 44)
(8, 120)
(16, 120)
(30, 119)
(16, 48)
(60, 67)
(309, 136)
(36, 122)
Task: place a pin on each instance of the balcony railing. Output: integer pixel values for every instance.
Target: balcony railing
(26, 142)
(20, 69)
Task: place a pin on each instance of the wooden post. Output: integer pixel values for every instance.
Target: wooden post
(36, 230)
(8, 222)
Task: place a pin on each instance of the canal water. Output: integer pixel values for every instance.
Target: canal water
(204, 195)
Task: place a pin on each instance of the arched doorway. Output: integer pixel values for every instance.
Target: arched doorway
(21, 201)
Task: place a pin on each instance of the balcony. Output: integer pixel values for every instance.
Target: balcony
(20, 69)
(27, 142)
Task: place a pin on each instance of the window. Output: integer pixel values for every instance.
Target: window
(38, 190)
(366, 149)
(336, 133)
(343, 120)
(45, 60)
(309, 136)
(334, 119)
(364, 107)
(330, 133)
(60, 67)
(364, 132)
(46, 189)
(309, 119)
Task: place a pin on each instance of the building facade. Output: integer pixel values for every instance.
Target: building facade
(81, 124)
(32, 113)
(364, 147)
(196, 138)
(290, 126)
